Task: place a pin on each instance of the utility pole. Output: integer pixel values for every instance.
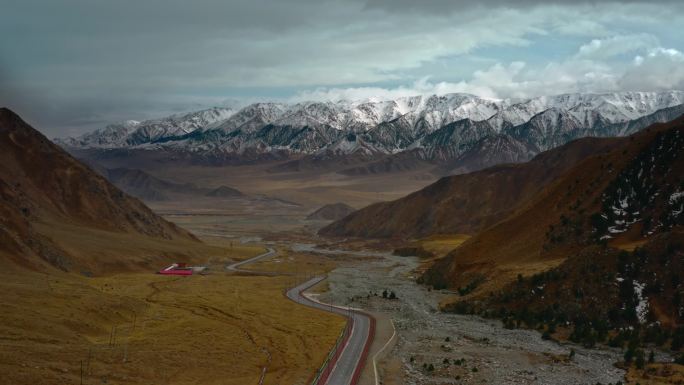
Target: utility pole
(90, 353)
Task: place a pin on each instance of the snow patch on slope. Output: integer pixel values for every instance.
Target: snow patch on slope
(642, 305)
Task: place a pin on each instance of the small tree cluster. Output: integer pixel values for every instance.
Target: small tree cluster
(389, 294)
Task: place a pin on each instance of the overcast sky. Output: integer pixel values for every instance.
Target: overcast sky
(74, 65)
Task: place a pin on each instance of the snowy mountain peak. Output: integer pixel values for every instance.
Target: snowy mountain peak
(442, 126)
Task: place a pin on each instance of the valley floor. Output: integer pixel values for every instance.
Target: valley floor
(143, 328)
(226, 327)
(477, 350)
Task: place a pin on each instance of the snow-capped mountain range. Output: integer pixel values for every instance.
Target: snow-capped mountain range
(132, 132)
(434, 127)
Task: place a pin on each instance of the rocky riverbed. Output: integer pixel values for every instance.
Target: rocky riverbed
(438, 348)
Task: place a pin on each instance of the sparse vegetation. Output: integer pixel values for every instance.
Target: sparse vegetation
(593, 295)
(472, 285)
(413, 251)
(389, 294)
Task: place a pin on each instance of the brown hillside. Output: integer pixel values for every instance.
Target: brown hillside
(331, 212)
(467, 203)
(593, 280)
(606, 294)
(224, 192)
(43, 190)
(144, 186)
(558, 222)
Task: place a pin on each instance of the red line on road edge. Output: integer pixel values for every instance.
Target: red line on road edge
(327, 370)
(364, 354)
(366, 349)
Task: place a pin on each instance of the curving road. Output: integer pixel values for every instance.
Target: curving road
(236, 266)
(349, 364)
(347, 368)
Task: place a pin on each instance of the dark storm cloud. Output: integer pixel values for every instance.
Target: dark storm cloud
(128, 16)
(441, 6)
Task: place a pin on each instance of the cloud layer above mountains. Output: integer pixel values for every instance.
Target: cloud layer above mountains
(74, 65)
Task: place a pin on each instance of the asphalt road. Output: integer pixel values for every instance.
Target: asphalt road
(343, 371)
(349, 360)
(236, 266)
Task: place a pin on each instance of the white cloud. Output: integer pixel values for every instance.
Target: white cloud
(494, 82)
(498, 81)
(657, 69)
(661, 69)
(616, 45)
(669, 52)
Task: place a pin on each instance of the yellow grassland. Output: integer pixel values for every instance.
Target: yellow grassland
(443, 244)
(143, 328)
(294, 263)
(656, 374)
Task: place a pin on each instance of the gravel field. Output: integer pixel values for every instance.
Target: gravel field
(478, 350)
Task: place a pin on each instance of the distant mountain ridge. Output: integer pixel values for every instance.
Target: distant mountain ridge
(467, 203)
(132, 133)
(147, 187)
(440, 128)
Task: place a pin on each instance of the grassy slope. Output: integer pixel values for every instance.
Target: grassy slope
(61, 222)
(442, 244)
(656, 374)
(45, 190)
(201, 329)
